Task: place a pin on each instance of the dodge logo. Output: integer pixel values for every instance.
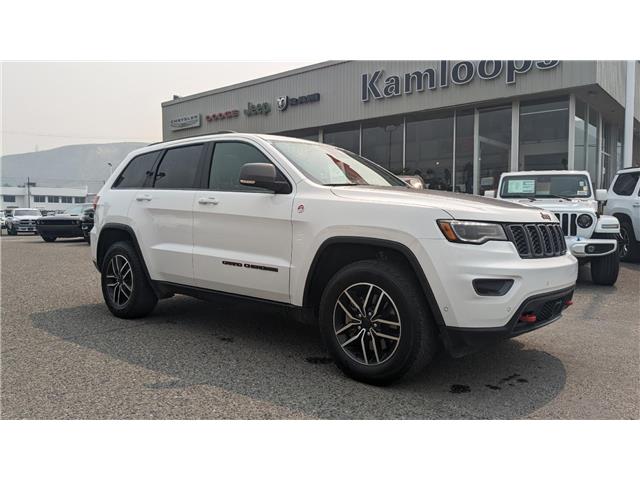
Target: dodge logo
(282, 103)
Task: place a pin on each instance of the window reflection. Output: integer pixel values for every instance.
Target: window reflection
(429, 151)
(347, 137)
(495, 146)
(464, 151)
(544, 133)
(382, 143)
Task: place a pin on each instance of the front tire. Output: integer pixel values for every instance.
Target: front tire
(11, 231)
(125, 287)
(604, 270)
(48, 238)
(629, 248)
(375, 322)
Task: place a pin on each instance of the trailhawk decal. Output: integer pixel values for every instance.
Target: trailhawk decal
(249, 265)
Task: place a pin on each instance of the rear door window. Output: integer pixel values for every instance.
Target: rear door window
(179, 168)
(626, 183)
(136, 174)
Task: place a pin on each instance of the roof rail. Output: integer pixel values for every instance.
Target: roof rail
(219, 132)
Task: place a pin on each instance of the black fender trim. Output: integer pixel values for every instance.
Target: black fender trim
(126, 228)
(400, 248)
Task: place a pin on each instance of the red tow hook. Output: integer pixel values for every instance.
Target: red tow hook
(528, 317)
(568, 303)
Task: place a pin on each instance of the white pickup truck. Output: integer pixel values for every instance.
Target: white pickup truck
(590, 236)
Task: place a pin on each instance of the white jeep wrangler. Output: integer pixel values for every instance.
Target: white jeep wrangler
(590, 236)
(387, 271)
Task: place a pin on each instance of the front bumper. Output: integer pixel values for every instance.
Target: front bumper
(62, 231)
(582, 247)
(451, 269)
(547, 308)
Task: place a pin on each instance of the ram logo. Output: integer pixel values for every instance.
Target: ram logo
(282, 103)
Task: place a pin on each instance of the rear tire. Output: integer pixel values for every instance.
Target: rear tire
(125, 287)
(365, 351)
(629, 249)
(48, 238)
(604, 270)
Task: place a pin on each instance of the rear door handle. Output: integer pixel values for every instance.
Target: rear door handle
(208, 201)
(144, 197)
(636, 205)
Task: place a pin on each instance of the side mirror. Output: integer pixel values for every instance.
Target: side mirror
(490, 193)
(262, 175)
(601, 194)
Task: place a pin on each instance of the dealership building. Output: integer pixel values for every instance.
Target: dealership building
(457, 124)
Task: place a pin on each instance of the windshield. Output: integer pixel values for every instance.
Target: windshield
(331, 166)
(26, 212)
(77, 209)
(546, 186)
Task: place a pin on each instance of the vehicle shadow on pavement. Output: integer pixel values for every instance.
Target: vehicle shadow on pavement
(269, 358)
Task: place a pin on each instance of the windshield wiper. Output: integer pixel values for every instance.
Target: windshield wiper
(560, 196)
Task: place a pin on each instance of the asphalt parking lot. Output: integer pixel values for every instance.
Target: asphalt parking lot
(64, 356)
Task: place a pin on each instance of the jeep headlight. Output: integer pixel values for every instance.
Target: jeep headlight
(584, 220)
(471, 232)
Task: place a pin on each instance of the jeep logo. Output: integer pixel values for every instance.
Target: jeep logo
(259, 109)
(545, 216)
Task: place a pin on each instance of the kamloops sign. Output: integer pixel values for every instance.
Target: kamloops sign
(375, 86)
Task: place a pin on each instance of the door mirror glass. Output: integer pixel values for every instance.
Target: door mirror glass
(601, 194)
(262, 175)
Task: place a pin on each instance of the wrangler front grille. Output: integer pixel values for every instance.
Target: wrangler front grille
(537, 240)
(569, 222)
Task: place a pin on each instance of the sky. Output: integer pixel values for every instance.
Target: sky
(47, 105)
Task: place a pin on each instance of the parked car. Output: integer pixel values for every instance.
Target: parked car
(75, 222)
(623, 202)
(387, 271)
(590, 236)
(22, 220)
(2, 225)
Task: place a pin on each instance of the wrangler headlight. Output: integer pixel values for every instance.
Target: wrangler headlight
(584, 221)
(471, 232)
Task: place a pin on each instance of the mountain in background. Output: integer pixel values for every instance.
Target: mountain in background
(68, 166)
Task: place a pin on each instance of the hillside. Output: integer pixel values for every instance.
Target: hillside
(71, 165)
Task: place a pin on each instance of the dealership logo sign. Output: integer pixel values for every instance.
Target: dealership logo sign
(460, 73)
(212, 117)
(185, 121)
(283, 102)
(258, 109)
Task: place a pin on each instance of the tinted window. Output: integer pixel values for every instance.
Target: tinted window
(179, 168)
(228, 159)
(135, 174)
(626, 183)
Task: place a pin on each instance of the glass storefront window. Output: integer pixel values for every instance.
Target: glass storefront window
(464, 151)
(495, 146)
(544, 135)
(581, 135)
(347, 137)
(382, 143)
(429, 150)
(592, 144)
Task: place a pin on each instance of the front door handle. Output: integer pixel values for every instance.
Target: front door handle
(208, 201)
(144, 197)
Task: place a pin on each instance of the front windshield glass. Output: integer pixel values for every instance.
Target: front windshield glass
(77, 209)
(331, 166)
(26, 212)
(546, 186)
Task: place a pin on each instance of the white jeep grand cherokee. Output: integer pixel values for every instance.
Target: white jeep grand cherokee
(387, 271)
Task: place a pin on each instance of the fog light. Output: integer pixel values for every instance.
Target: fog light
(584, 221)
(590, 248)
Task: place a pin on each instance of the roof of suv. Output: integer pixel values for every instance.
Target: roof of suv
(628, 170)
(216, 136)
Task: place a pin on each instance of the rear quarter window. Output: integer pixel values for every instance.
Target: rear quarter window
(135, 174)
(626, 183)
(179, 168)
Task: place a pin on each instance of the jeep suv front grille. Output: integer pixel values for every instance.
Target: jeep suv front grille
(569, 222)
(537, 240)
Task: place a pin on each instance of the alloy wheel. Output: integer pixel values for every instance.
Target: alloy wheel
(367, 324)
(623, 249)
(119, 280)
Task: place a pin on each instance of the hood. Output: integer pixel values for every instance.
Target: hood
(461, 206)
(559, 204)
